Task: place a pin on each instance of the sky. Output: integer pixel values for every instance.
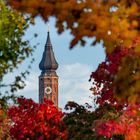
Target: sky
(75, 66)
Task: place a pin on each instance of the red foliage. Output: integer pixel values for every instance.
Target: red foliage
(106, 79)
(109, 128)
(127, 124)
(104, 75)
(36, 121)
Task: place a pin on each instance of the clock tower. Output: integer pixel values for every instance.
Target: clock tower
(48, 80)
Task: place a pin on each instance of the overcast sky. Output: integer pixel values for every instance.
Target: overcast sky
(75, 65)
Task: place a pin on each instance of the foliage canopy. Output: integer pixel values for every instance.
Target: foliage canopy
(13, 49)
(113, 21)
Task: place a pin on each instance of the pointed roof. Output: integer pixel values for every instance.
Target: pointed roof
(48, 63)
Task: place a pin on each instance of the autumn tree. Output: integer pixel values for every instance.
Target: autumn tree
(125, 121)
(34, 121)
(25, 119)
(13, 49)
(117, 78)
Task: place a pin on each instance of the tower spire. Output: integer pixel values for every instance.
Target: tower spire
(48, 80)
(48, 64)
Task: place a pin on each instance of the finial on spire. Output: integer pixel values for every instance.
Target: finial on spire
(48, 27)
(48, 43)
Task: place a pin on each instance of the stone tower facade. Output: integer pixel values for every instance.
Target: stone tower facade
(48, 80)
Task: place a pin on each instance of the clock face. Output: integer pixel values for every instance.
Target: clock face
(48, 90)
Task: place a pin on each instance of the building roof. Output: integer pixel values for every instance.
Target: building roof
(48, 63)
